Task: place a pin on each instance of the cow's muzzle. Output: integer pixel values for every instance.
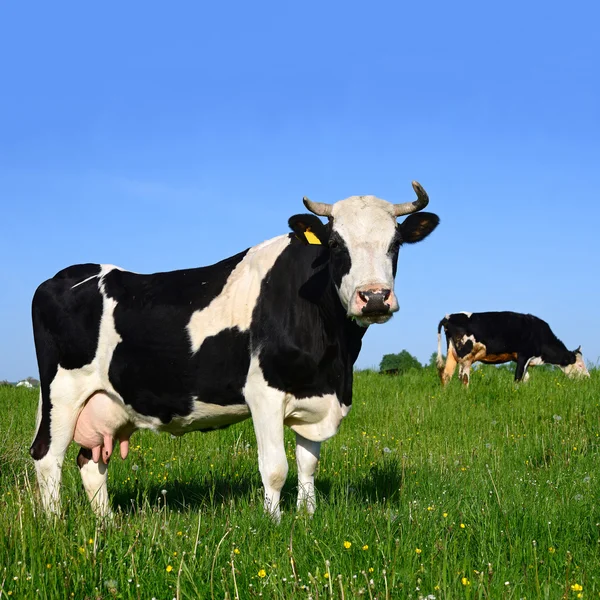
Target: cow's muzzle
(373, 304)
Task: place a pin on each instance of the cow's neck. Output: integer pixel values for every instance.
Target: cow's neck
(557, 354)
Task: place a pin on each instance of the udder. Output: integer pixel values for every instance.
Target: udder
(101, 422)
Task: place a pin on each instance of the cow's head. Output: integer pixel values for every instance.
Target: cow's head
(577, 368)
(363, 238)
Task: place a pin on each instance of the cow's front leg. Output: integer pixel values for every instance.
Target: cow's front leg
(267, 408)
(521, 370)
(307, 458)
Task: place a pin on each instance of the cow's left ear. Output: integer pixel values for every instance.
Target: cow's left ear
(417, 227)
(308, 229)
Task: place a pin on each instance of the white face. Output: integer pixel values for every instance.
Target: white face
(363, 256)
(577, 369)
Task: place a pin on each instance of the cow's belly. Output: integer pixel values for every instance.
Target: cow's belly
(205, 416)
(316, 418)
(499, 358)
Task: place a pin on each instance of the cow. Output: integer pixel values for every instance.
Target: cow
(270, 333)
(499, 337)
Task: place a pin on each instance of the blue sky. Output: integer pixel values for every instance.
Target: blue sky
(159, 136)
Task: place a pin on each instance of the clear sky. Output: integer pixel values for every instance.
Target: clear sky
(164, 135)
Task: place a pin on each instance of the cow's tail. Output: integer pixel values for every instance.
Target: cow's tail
(440, 359)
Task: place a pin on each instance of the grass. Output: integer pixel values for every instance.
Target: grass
(490, 492)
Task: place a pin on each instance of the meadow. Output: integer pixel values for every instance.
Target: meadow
(490, 492)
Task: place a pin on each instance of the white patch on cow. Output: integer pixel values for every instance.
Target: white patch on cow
(465, 338)
(367, 225)
(535, 361)
(206, 416)
(307, 458)
(94, 476)
(464, 312)
(234, 305)
(316, 418)
(577, 369)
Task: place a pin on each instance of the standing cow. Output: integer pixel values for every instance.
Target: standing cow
(499, 337)
(271, 333)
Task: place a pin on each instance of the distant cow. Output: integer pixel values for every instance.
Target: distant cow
(271, 333)
(499, 337)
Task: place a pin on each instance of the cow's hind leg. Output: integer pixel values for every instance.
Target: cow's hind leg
(57, 417)
(267, 408)
(94, 476)
(447, 371)
(307, 458)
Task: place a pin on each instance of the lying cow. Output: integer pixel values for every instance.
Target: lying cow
(499, 337)
(271, 333)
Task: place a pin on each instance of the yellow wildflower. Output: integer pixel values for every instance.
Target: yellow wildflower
(236, 550)
(551, 550)
(465, 581)
(169, 568)
(347, 544)
(365, 547)
(462, 525)
(576, 587)
(418, 550)
(262, 573)
(326, 575)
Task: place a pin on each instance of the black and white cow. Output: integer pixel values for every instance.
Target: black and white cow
(271, 333)
(499, 337)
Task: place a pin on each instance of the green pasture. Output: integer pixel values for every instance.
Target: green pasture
(490, 492)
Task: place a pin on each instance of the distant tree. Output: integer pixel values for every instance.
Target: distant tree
(399, 363)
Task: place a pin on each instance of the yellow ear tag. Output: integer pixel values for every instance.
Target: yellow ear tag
(311, 238)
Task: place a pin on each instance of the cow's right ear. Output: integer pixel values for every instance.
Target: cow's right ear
(308, 229)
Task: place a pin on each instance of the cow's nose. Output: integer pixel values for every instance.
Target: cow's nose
(374, 301)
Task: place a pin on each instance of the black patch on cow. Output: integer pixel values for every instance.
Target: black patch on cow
(84, 457)
(187, 289)
(339, 258)
(66, 323)
(153, 368)
(307, 346)
(463, 349)
(302, 223)
(394, 249)
(162, 381)
(79, 272)
(418, 226)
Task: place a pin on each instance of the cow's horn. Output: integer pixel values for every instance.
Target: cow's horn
(578, 350)
(420, 203)
(320, 209)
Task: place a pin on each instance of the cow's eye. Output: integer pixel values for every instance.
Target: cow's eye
(333, 244)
